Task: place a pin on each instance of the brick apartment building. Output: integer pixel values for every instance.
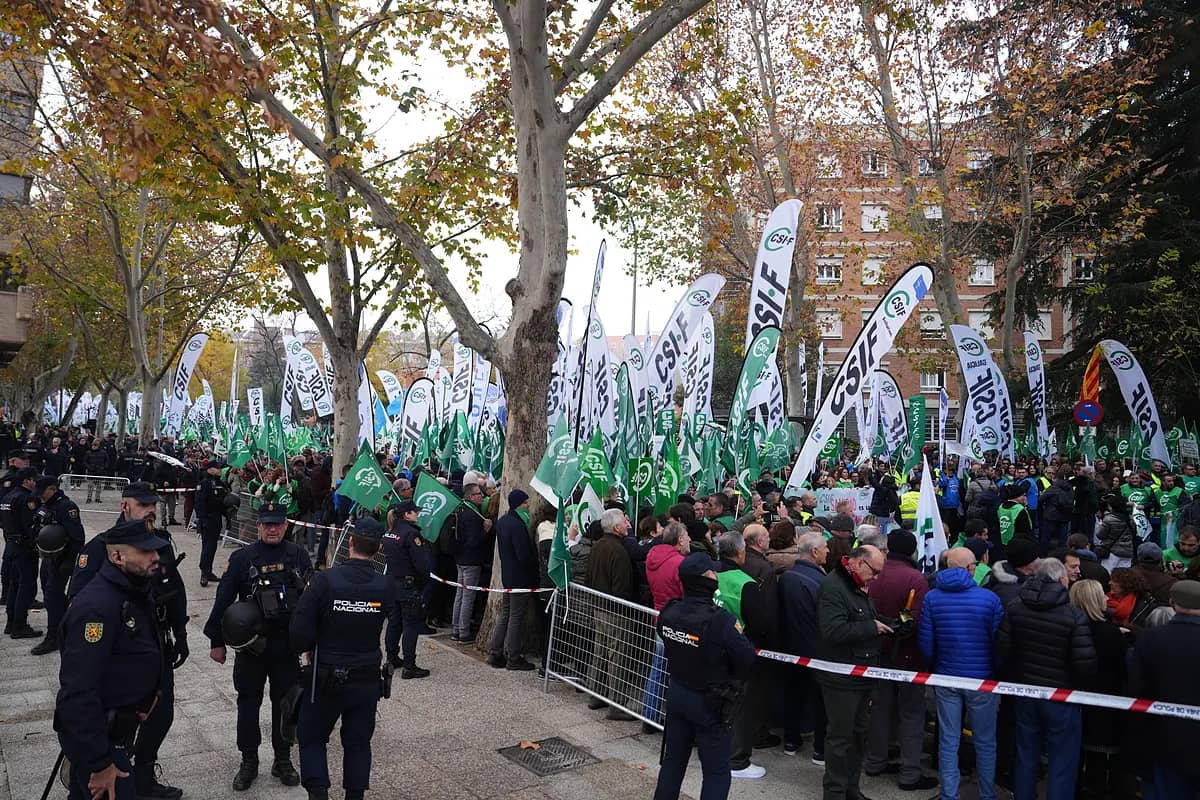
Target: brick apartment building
(20, 82)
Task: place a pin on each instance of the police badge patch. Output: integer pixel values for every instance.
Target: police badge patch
(73, 513)
(92, 631)
(82, 562)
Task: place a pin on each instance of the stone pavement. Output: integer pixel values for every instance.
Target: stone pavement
(435, 738)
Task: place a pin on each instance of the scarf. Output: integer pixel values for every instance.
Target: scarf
(523, 513)
(1122, 607)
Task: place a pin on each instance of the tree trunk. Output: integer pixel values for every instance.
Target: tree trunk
(151, 401)
(102, 410)
(52, 383)
(122, 417)
(345, 407)
(69, 411)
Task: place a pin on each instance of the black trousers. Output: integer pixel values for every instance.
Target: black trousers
(56, 572)
(210, 539)
(250, 676)
(404, 626)
(22, 582)
(355, 704)
(848, 713)
(153, 731)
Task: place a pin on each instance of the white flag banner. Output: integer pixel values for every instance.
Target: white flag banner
(211, 401)
(768, 298)
(183, 376)
(418, 411)
(292, 347)
(557, 395)
(433, 364)
(987, 403)
(1138, 397)
(1035, 371)
(327, 363)
(635, 358)
(668, 352)
(366, 408)
(391, 384)
(481, 375)
(254, 405)
(315, 381)
(820, 385)
(231, 413)
(943, 415)
(872, 343)
(599, 391)
(803, 378)
(285, 401)
(931, 536)
(443, 387)
(460, 386)
(698, 372)
(892, 411)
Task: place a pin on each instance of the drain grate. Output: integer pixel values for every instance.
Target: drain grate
(550, 757)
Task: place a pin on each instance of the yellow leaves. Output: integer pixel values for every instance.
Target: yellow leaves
(1095, 29)
(337, 161)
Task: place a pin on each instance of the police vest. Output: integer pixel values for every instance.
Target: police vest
(1008, 520)
(729, 591)
(349, 627)
(908, 506)
(693, 658)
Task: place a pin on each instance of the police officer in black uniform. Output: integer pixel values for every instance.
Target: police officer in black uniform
(338, 622)
(18, 511)
(408, 564)
(707, 656)
(8, 481)
(210, 517)
(57, 563)
(139, 502)
(272, 572)
(112, 665)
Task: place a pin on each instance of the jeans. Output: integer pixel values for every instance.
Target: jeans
(464, 600)
(981, 717)
(1054, 533)
(656, 684)
(1167, 783)
(750, 720)
(1057, 729)
(690, 722)
(508, 637)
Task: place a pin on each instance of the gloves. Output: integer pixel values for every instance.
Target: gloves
(181, 649)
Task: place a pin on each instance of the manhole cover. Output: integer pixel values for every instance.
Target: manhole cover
(550, 757)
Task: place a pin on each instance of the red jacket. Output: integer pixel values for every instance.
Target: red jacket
(889, 593)
(662, 573)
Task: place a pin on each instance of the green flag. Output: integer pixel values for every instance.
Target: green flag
(558, 566)
(666, 489)
(641, 478)
(559, 463)
(594, 466)
(436, 504)
(916, 432)
(458, 451)
(365, 483)
(239, 452)
(1071, 448)
(762, 348)
(775, 453)
(1087, 443)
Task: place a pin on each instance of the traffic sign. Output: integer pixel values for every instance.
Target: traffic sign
(1087, 412)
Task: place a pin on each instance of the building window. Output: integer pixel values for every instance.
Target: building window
(829, 270)
(1083, 269)
(829, 217)
(830, 323)
(981, 322)
(924, 166)
(874, 217)
(14, 188)
(983, 273)
(16, 111)
(873, 163)
(828, 167)
(931, 325)
(933, 211)
(1043, 326)
(978, 159)
(932, 382)
(872, 270)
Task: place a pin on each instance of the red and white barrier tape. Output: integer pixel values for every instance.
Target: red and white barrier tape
(161, 490)
(488, 588)
(1073, 696)
(301, 524)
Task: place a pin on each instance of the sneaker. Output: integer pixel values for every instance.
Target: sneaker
(521, 665)
(920, 784)
(454, 638)
(47, 645)
(749, 772)
(286, 773)
(466, 640)
(791, 748)
(245, 776)
(818, 759)
(408, 673)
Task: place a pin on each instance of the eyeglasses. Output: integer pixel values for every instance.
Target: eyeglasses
(874, 572)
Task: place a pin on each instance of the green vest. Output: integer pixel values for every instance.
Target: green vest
(729, 591)
(908, 506)
(1191, 484)
(1008, 520)
(1169, 501)
(981, 573)
(725, 520)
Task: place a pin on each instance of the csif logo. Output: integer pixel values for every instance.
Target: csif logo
(194, 345)
(778, 239)
(417, 394)
(699, 298)
(708, 335)
(888, 390)
(989, 436)
(897, 303)
(367, 478)
(430, 503)
(595, 329)
(762, 347)
(1033, 353)
(1121, 359)
(972, 347)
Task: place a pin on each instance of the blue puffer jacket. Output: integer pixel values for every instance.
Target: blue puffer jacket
(958, 626)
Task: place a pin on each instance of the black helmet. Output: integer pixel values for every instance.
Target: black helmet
(232, 500)
(240, 625)
(51, 539)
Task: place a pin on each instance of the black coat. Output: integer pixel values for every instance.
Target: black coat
(848, 632)
(610, 569)
(1163, 667)
(1043, 640)
(472, 544)
(518, 557)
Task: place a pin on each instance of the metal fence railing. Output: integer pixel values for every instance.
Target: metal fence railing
(607, 647)
(97, 493)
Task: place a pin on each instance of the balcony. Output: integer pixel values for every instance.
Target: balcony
(16, 309)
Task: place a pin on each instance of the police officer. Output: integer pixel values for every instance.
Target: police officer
(408, 565)
(338, 622)
(139, 503)
(210, 517)
(8, 481)
(18, 516)
(112, 665)
(57, 562)
(707, 657)
(272, 572)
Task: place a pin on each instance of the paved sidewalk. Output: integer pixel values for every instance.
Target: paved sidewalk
(435, 738)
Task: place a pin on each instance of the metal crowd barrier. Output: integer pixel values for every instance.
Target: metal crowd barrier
(95, 493)
(607, 647)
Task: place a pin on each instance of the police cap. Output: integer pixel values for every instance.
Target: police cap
(214, 464)
(26, 474)
(142, 492)
(405, 506)
(135, 533)
(697, 564)
(271, 513)
(367, 528)
(44, 483)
